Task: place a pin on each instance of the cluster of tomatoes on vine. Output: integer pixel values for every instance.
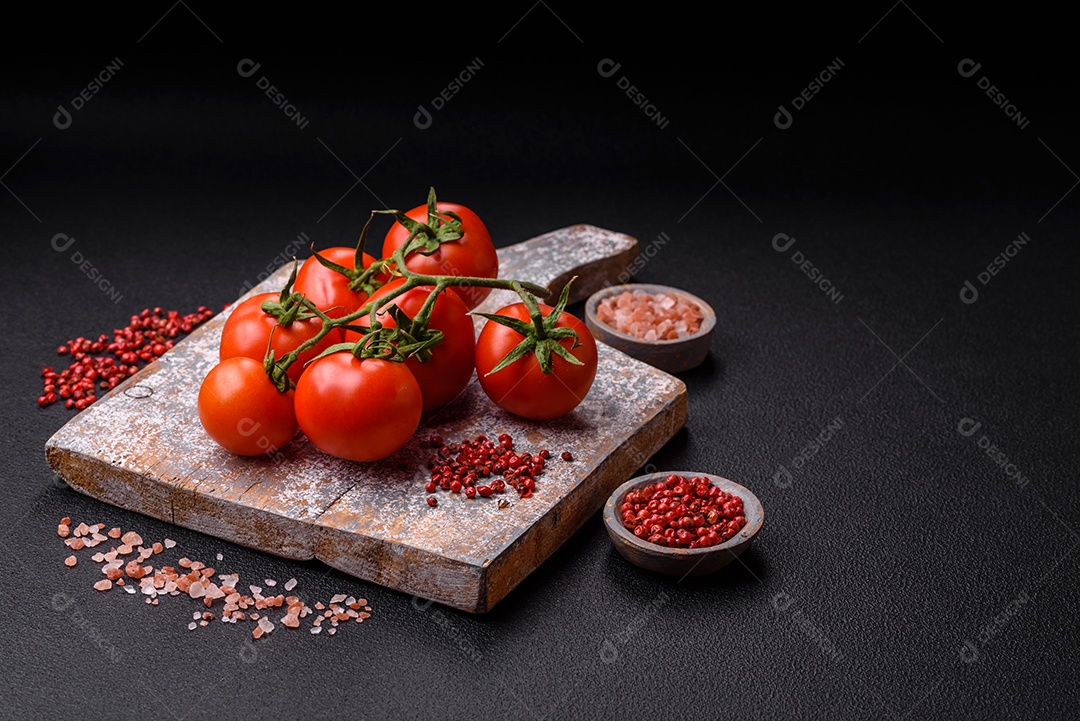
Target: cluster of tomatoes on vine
(354, 349)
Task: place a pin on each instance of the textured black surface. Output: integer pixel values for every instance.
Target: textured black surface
(886, 550)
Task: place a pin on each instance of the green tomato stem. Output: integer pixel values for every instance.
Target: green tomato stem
(528, 292)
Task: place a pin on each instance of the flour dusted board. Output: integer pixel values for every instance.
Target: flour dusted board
(142, 448)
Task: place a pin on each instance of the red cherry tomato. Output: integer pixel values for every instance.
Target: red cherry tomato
(247, 332)
(450, 367)
(360, 410)
(242, 410)
(471, 255)
(328, 289)
(521, 387)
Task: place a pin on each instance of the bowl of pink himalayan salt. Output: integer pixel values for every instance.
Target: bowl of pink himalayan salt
(666, 327)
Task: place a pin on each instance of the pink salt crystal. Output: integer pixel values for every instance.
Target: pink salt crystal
(196, 590)
(650, 317)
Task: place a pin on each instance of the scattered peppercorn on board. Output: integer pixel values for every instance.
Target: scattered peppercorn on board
(141, 447)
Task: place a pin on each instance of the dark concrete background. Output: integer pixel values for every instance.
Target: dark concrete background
(901, 573)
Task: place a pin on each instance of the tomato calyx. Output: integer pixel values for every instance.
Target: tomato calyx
(361, 279)
(541, 336)
(425, 238)
(409, 338)
(289, 307)
(278, 372)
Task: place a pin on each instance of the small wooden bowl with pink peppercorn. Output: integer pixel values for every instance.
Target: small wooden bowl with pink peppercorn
(681, 324)
(682, 561)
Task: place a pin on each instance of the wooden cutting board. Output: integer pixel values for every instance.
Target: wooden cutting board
(141, 447)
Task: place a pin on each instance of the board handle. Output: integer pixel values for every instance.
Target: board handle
(598, 258)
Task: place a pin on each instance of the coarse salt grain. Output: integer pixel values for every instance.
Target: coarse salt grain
(659, 316)
(197, 584)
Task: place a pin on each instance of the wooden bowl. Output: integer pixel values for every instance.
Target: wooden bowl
(672, 356)
(681, 562)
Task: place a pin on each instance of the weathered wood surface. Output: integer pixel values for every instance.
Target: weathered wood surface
(141, 447)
